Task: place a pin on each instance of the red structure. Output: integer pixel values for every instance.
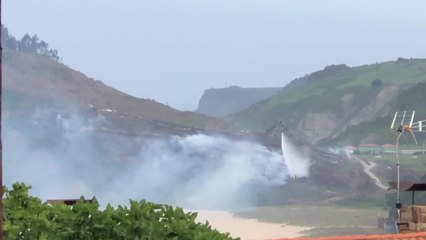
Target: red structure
(402, 236)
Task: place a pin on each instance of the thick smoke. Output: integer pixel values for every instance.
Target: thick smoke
(62, 155)
(297, 163)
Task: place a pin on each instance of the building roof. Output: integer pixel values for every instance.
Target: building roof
(368, 145)
(388, 145)
(409, 186)
(68, 202)
(401, 236)
(350, 147)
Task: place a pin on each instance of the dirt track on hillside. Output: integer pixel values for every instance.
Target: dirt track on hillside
(367, 166)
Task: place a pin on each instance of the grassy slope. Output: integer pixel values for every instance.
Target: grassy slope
(298, 215)
(41, 79)
(393, 72)
(412, 98)
(328, 220)
(323, 92)
(413, 167)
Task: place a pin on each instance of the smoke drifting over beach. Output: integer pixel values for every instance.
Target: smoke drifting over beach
(63, 156)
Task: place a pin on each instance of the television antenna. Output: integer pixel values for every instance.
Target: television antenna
(403, 123)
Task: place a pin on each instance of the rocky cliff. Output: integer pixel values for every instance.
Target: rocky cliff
(220, 102)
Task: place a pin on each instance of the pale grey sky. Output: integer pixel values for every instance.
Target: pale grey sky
(172, 50)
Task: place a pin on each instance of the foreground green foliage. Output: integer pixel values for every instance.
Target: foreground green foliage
(27, 217)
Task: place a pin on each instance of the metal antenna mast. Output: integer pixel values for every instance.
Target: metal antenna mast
(403, 122)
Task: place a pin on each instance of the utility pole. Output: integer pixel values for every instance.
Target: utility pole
(1, 143)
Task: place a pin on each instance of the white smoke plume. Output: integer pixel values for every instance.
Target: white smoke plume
(62, 156)
(297, 162)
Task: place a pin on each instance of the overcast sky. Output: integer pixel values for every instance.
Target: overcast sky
(172, 50)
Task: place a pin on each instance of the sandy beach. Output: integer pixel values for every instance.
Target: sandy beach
(247, 229)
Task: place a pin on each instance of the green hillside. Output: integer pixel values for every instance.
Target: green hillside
(377, 130)
(327, 102)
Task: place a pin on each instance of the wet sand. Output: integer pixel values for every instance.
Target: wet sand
(247, 229)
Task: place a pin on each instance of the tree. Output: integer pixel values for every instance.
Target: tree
(377, 83)
(28, 44)
(25, 44)
(43, 48)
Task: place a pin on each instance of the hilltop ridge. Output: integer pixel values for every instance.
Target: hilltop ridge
(30, 79)
(325, 103)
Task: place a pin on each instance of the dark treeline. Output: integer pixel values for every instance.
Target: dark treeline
(28, 44)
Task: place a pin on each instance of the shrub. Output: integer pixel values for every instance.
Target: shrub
(27, 217)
